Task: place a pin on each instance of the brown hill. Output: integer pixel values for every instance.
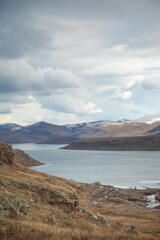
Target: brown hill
(118, 130)
(37, 132)
(38, 206)
(24, 159)
(155, 131)
(118, 143)
(43, 132)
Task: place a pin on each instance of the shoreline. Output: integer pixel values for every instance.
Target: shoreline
(100, 183)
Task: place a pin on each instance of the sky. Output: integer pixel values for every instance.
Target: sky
(70, 61)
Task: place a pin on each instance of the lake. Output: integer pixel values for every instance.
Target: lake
(118, 168)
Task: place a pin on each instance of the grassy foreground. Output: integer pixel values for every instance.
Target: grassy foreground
(38, 206)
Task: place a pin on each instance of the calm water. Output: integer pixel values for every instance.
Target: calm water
(118, 168)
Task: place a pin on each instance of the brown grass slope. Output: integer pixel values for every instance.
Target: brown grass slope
(24, 159)
(118, 143)
(38, 206)
(120, 130)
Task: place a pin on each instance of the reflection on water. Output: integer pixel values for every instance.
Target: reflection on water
(119, 168)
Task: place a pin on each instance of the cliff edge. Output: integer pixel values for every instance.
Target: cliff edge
(6, 153)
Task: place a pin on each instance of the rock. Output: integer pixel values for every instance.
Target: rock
(97, 213)
(56, 194)
(104, 221)
(66, 217)
(157, 196)
(75, 205)
(1, 207)
(4, 213)
(3, 184)
(25, 208)
(54, 219)
(129, 229)
(157, 207)
(95, 217)
(6, 154)
(13, 207)
(2, 188)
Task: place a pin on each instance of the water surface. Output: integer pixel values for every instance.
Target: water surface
(119, 168)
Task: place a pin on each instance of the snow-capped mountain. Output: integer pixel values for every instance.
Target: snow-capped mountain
(11, 126)
(43, 132)
(150, 118)
(102, 123)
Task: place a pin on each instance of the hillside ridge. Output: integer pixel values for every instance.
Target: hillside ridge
(39, 206)
(48, 133)
(138, 143)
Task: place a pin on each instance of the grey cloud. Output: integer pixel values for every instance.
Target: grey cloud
(4, 111)
(30, 26)
(13, 98)
(60, 49)
(149, 85)
(19, 76)
(5, 108)
(22, 41)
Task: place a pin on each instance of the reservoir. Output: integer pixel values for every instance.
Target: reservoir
(124, 169)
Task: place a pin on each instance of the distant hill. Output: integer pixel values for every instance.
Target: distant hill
(43, 132)
(118, 143)
(35, 133)
(155, 131)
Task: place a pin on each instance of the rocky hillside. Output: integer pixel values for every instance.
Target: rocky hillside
(8, 155)
(37, 206)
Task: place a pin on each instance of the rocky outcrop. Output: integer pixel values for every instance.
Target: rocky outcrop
(157, 196)
(46, 195)
(6, 154)
(14, 206)
(129, 229)
(95, 217)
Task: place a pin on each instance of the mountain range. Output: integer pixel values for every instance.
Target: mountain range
(43, 132)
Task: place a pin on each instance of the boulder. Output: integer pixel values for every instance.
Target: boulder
(6, 154)
(129, 229)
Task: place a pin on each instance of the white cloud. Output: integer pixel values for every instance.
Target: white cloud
(25, 114)
(126, 94)
(79, 58)
(5, 119)
(122, 94)
(70, 103)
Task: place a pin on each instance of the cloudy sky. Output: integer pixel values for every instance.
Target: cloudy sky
(71, 61)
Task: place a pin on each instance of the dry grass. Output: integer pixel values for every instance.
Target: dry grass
(18, 230)
(68, 224)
